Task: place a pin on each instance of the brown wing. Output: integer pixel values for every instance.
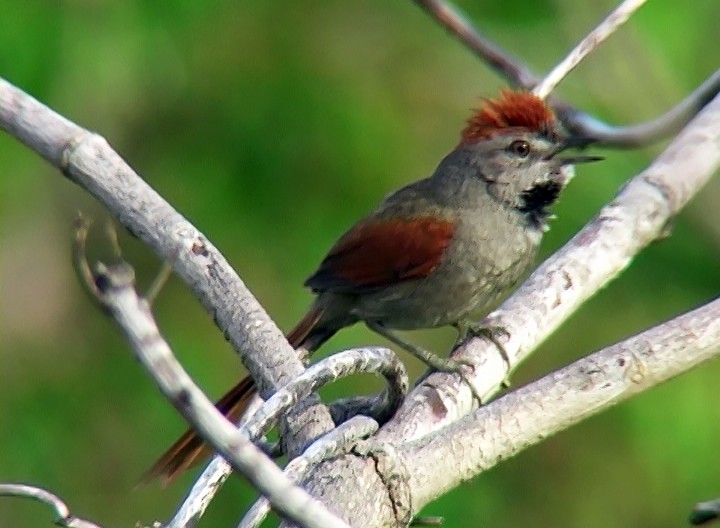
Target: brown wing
(375, 254)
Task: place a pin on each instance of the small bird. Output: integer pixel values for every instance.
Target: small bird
(436, 251)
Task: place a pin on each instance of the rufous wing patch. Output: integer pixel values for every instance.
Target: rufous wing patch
(512, 110)
(376, 254)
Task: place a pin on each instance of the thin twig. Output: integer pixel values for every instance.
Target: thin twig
(576, 121)
(63, 517)
(638, 135)
(158, 282)
(79, 257)
(116, 286)
(497, 58)
(592, 40)
(208, 483)
(113, 239)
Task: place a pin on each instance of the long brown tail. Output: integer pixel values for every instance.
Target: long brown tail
(190, 449)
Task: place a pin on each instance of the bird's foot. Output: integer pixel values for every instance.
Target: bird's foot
(452, 366)
(470, 329)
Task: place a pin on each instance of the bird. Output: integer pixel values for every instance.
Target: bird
(436, 251)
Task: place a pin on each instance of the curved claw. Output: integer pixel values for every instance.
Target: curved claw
(469, 329)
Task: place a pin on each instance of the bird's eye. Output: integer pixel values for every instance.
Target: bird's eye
(520, 148)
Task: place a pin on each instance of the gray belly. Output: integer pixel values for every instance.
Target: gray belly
(471, 278)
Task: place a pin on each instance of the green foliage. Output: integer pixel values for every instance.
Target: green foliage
(272, 126)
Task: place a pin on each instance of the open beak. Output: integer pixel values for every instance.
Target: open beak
(574, 142)
(572, 160)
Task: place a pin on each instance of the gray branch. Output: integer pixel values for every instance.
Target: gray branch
(208, 483)
(264, 416)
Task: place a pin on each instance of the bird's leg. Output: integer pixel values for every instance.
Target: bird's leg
(427, 357)
(469, 329)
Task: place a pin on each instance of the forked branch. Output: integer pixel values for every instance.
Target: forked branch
(577, 122)
(532, 413)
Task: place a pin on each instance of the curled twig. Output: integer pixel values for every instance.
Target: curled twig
(63, 517)
(376, 360)
(79, 257)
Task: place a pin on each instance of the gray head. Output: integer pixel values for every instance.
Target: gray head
(511, 145)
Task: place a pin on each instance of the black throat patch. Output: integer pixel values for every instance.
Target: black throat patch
(536, 199)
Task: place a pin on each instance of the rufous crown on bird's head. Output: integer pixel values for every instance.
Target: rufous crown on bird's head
(514, 109)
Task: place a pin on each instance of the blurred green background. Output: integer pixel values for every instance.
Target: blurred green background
(272, 126)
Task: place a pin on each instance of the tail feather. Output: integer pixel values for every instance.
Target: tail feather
(309, 333)
(303, 331)
(190, 449)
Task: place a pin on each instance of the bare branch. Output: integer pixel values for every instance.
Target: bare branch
(576, 121)
(557, 401)
(116, 287)
(209, 482)
(640, 214)
(63, 517)
(592, 40)
(333, 443)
